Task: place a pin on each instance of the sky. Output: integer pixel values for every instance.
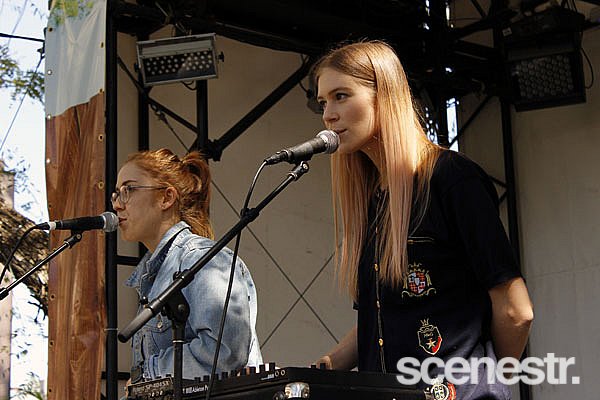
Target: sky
(25, 139)
(26, 143)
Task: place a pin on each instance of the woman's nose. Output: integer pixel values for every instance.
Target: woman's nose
(116, 205)
(330, 115)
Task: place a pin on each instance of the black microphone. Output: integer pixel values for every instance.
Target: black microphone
(324, 142)
(107, 221)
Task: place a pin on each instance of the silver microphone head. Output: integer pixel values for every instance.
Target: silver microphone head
(331, 139)
(111, 221)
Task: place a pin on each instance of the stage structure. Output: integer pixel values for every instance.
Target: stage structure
(441, 62)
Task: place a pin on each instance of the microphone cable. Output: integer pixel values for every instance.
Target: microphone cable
(14, 250)
(230, 285)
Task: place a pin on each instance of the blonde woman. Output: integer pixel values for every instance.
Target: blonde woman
(423, 252)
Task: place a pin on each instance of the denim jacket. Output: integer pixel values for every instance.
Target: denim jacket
(152, 345)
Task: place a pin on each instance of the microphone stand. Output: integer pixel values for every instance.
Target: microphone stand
(177, 309)
(69, 242)
(172, 299)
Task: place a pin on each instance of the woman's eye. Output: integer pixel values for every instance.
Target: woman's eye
(340, 96)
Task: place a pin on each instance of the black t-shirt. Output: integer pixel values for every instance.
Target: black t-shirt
(457, 253)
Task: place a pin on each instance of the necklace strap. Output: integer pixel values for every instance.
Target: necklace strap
(378, 303)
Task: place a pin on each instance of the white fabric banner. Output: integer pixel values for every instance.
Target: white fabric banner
(75, 53)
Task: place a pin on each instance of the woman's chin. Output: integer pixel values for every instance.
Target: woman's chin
(125, 235)
(345, 148)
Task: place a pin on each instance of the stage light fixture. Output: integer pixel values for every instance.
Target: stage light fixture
(544, 61)
(186, 58)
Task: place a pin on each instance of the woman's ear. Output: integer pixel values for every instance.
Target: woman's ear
(169, 198)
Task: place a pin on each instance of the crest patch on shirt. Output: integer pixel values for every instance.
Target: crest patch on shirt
(441, 390)
(430, 338)
(417, 282)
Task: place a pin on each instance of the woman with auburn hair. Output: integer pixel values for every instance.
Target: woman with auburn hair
(163, 201)
(423, 251)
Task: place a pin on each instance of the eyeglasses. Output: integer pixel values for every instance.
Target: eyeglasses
(123, 193)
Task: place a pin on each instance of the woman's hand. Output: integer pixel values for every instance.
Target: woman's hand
(344, 356)
(325, 360)
(126, 386)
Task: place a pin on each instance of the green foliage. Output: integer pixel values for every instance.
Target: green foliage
(30, 83)
(8, 66)
(63, 9)
(22, 82)
(31, 388)
(20, 167)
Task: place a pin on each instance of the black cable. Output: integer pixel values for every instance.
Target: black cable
(245, 208)
(6, 35)
(230, 285)
(189, 85)
(12, 254)
(20, 18)
(306, 91)
(157, 111)
(21, 102)
(285, 276)
(162, 117)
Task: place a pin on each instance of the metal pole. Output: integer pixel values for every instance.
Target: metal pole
(110, 176)
(143, 127)
(143, 114)
(511, 204)
(437, 51)
(509, 172)
(442, 120)
(201, 115)
(259, 110)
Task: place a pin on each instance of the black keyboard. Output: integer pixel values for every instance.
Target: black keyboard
(269, 383)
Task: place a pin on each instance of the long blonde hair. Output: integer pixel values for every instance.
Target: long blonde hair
(408, 158)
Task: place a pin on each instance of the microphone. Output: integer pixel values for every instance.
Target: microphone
(106, 221)
(325, 142)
